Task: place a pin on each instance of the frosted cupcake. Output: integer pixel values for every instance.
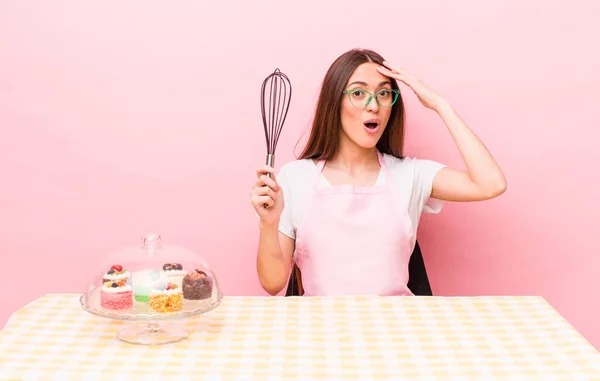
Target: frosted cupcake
(166, 297)
(142, 284)
(174, 273)
(197, 286)
(115, 293)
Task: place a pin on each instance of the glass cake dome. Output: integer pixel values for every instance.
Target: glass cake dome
(151, 282)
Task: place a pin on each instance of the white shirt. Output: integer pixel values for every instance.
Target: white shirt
(413, 182)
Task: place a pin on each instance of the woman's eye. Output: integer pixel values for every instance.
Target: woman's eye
(358, 93)
(384, 93)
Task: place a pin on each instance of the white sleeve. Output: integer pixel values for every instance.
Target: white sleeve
(425, 171)
(286, 225)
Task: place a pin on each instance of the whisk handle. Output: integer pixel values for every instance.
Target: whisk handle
(270, 163)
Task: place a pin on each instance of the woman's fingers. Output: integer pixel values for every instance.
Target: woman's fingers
(263, 179)
(397, 69)
(261, 201)
(265, 191)
(389, 73)
(264, 170)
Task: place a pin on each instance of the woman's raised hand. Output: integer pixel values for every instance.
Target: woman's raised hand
(267, 196)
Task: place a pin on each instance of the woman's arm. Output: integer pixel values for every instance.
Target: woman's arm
(483, 179)
(274, 257)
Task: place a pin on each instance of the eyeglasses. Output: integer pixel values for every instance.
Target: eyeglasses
(385, 97)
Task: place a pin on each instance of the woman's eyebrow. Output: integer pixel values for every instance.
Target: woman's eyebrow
(358, 83)
(365, 84)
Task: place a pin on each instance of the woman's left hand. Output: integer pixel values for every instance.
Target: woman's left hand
(428, 97)
(483, 179)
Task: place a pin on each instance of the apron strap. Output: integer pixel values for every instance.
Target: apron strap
(385, 169)
(321, 165)
(317, 176)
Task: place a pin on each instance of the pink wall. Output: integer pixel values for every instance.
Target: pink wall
(111, 113)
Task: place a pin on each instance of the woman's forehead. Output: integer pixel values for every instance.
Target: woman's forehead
(367, 75)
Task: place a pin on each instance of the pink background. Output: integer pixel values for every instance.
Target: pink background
(112, 111)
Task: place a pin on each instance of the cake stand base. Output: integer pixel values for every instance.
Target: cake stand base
(153, 334)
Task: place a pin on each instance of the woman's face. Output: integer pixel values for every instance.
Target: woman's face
(364, 126)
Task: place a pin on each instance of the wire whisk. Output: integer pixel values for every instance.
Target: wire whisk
(275, 94)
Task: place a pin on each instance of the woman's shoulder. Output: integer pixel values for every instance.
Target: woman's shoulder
(397, 163)
(297, 169)
(413, 170)
(409, 163)
(297, 165)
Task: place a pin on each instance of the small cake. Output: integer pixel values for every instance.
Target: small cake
(174, 273)
(116, 294)
(142, 284)
(166, 297)
(196, 286)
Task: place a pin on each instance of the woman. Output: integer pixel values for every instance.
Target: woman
(346, 212)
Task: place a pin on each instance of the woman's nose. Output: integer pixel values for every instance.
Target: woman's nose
(373, 105)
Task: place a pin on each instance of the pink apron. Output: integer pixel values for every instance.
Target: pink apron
(354, 240)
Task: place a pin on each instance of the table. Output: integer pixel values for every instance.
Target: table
(334, 338)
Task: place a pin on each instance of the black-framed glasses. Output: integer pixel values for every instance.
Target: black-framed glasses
(361, 98)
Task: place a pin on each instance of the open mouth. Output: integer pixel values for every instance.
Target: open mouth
(372, 125)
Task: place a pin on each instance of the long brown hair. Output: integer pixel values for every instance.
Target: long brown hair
(324, 136)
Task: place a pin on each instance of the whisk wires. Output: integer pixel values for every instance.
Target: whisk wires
(274, 112)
